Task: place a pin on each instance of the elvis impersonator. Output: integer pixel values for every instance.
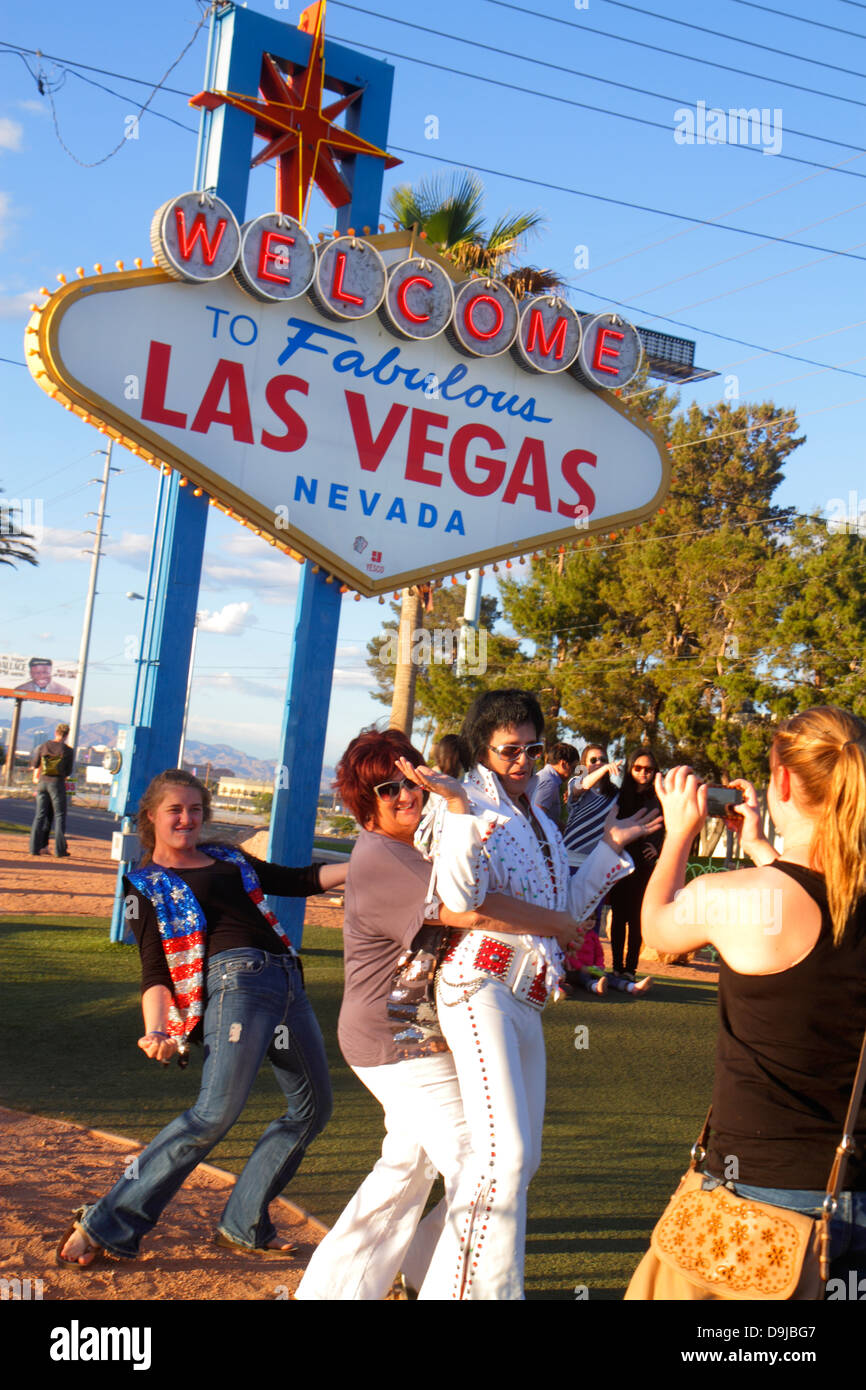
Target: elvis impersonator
(492, 987)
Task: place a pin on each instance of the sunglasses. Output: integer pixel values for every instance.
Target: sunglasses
(594, 762)
(389, 791)
(510, 752)
(642, 767)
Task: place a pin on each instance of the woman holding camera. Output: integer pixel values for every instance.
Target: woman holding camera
(791, 934)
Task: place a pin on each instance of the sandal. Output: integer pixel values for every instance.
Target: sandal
(76, 1228)
(261, 1252)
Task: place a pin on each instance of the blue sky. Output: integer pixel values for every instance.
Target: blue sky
(714, 283)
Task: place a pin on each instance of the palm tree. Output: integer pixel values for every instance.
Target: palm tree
(450, 211)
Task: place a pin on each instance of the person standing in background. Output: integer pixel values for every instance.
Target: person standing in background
(546, 791)
(636, 794)
(588, 798)
(53, 762)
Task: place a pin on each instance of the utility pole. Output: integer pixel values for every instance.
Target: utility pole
(75, 723)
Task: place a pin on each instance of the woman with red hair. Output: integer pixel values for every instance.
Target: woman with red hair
(390, 910)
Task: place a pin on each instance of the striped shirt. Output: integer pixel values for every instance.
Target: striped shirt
(585, 826)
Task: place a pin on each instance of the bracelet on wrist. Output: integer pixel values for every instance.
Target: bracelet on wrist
(155, 1033)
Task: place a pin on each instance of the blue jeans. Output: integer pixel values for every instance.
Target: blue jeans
(50, 799)
(847, 1227)
(256, 1006)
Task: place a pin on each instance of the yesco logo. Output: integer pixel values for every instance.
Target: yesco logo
(76, 1343)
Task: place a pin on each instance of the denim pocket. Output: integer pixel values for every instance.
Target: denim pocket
(239, 965)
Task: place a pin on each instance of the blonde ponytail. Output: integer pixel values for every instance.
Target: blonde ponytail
(825, 748)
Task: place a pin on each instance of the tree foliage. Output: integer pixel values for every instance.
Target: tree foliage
(681, 633)
(442, 697)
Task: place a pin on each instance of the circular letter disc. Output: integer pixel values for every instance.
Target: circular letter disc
(195, 237)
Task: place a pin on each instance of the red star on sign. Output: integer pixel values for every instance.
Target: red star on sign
(301, 133)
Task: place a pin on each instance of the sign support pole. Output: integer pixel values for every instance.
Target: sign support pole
(239, 39)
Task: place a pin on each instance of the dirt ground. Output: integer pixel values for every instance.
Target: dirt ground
(47, 1166)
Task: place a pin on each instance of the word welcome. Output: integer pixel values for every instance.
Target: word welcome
(197, 238)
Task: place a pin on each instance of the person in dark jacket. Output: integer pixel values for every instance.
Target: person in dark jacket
(626, 897)
(52, 761)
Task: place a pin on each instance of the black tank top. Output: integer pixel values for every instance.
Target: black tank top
(787, 1052)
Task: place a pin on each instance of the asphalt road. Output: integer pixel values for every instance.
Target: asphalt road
(98, 825)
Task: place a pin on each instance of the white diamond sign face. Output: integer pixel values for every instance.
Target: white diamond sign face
(386, 460)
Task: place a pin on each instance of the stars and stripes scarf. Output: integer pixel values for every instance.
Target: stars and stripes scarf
(183, 930)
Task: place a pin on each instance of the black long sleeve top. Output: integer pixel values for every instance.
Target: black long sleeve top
(233, 921)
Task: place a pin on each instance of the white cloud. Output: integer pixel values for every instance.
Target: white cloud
(133, 548)
(227, 683)
(35, 106)
(354, 676)
(16, 304)
(273, 579)
(231, 620)
(10, 133)
(58, 544)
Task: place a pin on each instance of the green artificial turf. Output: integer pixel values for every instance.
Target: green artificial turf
(622, 1111)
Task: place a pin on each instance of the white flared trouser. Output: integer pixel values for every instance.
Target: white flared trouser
(498, 1047)
(378, 1234)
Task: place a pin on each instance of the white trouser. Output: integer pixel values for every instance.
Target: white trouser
(498, 1048)
(378, 1234)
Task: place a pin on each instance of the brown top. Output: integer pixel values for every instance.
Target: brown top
(385, 909)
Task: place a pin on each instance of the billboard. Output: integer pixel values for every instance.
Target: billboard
(383, 421)
(37, 678)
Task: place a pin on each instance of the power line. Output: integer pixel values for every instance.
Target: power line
(746, 43)
(508, 86)
(104, 72)
(668, 52)
(625, 203)
(102, 87)
(801, 19)
(46, 90)
(727, 338)
(604, 110)
(753, 284)
(738, 256)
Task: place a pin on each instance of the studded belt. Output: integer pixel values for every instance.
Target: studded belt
(499, 958)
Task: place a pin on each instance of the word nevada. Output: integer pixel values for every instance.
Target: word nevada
(196, 238)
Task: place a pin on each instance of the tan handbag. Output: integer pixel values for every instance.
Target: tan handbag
(716, 1245)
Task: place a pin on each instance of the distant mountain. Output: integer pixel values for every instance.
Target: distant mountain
(223, 757)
